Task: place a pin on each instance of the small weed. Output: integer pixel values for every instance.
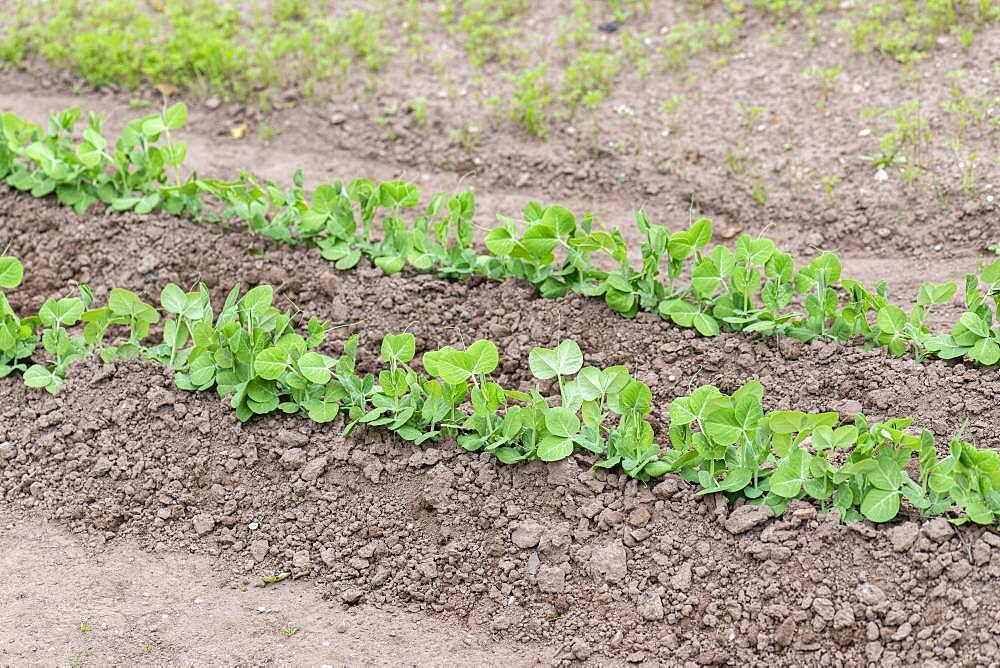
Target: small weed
(909, 31)
(827, 81)
(576, 32)
(486, 28)
(587, 80)
(468, 137)
(687, 39)
(85, 625)
(418, 107)
(748, 115)
(906, 144)
(734, 162)
(968, 109)
(288, 630)
(385, 122)
(966, 161)
(532, 94)
(829, 184)
(268, 133)
(81, 658)
(671, 107)
(198, 44)
(758, 190)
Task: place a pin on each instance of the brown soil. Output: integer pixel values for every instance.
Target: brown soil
(546, 555)
(80, 602)
(435, 556)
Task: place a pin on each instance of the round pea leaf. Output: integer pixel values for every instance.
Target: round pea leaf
(880, 505)
(11, 272)
(562, 422)
(315, 367)
(482, 356)
(271, 363)
(565, 359)
(554, 448)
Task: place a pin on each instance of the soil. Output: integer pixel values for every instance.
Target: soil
(123, 605)
(124, 499)
(535, 554)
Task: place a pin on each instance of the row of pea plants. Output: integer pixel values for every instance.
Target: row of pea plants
(263, 361)
(754, 287)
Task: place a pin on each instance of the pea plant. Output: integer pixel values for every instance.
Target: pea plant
(751, 286)
(263, 360)
(130, 176)
(17, 338)
(730, 445)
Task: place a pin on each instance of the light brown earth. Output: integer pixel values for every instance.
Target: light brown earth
(455, 560)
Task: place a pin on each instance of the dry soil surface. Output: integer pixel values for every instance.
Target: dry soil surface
(586, 565)
(80, 602)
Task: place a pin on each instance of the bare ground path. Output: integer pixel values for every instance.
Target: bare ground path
(66, 601)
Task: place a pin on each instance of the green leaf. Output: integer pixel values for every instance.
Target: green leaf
(37, 376)
(448, 364)
(706, 324)
(880, 505)
(565, 359)
(736, 479)
(500, 242)
(634, 397)
(680, 312)
(321, 411)
(11, 272)
(986, 352)
(706, 278)
(721, 426)
(538, 242)
(791, 473)
(326, 199)
(887, 475)
(176, 116)
(153, 126)
(66, 311)
(595, 383)
(399, 347)
(391, 264)
(561, 422)
(786, 422)
(931, 293)
(483, 357)
(975, 324)
(256, 302)
(554, 448)
(825, 438)
(560, 219)
(314, 367)
(270, 363)
(173, 299)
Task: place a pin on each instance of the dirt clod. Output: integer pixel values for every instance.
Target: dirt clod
(650, 606)
(203, 524)
(938, 529)
(746, 517)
